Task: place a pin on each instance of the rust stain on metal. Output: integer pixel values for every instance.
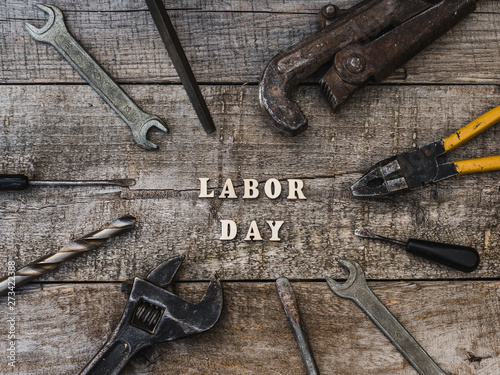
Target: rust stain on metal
(366, 42)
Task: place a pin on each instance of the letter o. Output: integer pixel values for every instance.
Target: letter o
(272, 184)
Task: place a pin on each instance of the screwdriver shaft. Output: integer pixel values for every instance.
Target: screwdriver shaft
(47, 263)
(365, 234)
(287, 297)
(181, 63)
(124, 183)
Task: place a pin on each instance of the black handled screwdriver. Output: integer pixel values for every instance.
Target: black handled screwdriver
(462, 258)
(22, 182)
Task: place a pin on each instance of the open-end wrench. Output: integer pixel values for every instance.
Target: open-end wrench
(153, 315)
(357, 290)
(56, 33)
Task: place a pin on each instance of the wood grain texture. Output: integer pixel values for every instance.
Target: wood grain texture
(71, 142)
(229, 41)
(53, 126)
(455, 322)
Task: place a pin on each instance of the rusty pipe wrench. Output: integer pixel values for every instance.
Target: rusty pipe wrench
(366, 42)
(56, 34)
(153, 315)
(357, 290)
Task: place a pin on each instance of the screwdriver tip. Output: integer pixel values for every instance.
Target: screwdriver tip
(361, 233)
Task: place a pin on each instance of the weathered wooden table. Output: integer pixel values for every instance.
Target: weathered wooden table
(54, 126)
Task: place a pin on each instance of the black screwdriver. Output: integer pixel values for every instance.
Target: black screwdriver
(462, 258)
(22, 182)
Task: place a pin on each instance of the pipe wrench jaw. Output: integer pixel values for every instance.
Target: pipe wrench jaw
(274, 97)
(364, 43)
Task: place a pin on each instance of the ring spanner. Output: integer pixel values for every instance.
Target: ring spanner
(153, 315)
(56, 33)
(357, 290)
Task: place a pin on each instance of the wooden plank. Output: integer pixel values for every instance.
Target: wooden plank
(62, 139)
(456, 323)
(68, 132)
(225, 42)
(315, 235)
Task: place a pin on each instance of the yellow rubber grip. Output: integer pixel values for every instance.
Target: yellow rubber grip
(487, 164)
(471, 130)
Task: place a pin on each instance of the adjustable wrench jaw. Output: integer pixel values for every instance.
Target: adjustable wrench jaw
(153, 315)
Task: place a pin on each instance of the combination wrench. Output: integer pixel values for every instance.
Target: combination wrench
(357, 290)
(56, 34)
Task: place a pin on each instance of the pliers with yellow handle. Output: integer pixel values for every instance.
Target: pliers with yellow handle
(412, 170)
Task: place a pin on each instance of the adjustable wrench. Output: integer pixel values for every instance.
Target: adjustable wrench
(56, 33)
(153, 315)
(357, 290)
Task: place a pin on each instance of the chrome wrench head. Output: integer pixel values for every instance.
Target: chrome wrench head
(140, 133)
(355, 281)
(56, 33)
(357, 290)
(47, 32)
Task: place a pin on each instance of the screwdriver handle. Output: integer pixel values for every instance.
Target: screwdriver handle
(14, 182)
(462, 258)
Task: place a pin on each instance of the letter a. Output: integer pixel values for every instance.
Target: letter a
(253, 231)
(228, 190)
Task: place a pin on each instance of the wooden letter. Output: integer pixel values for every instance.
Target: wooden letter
(294, 188)
(228, 230)
(228, 190)
(275, 228)
(251, 191)
(272, 184)
(204, 189)
(253, 231)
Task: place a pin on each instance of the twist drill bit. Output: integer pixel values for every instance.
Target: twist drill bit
(47, 263)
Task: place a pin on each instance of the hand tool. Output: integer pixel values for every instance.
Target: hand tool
(56, 33)
(86, 243)
(366, 42)
(153, 315)
(289, 302)
(462, 258)
(21, 182)
(357, 290)
(412, 170)
(180, 61)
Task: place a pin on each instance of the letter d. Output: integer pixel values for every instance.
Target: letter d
(228, 230)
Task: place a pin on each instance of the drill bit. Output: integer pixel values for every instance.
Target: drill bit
(47, 263)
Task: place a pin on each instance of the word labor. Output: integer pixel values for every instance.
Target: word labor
(272, 189)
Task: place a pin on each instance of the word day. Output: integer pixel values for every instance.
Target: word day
(272, 190)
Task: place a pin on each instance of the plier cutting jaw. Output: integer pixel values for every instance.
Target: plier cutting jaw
(412, 170)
